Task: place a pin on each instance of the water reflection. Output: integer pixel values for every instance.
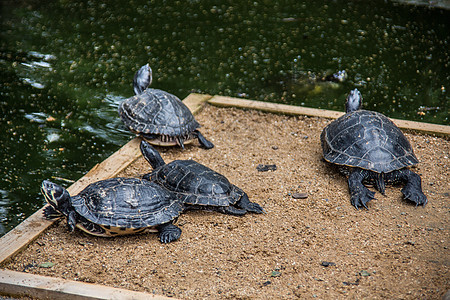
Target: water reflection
(66, 65)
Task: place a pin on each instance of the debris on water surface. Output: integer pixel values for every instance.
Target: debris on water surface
(63, 179)
(299, 195)
(265, 168)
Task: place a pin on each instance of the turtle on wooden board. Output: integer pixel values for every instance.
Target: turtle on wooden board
(197, 186)
(116, 206)
(371, 148)
(158, 116)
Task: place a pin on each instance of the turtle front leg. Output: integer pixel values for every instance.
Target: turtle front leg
(359, 194)
(202, 140)
(168, 233)
(51, 213)
(71, 221)
(180, 142)
(245, 203)
(413, 188)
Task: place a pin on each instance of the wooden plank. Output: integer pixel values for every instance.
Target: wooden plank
(20, 236)
(423, 127)
(223, 101)
(18, 284)
(196, 102)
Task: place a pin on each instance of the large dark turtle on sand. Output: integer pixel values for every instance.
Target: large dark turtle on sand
(158, 116)
(374, 150)
(116, 206)
(198, 186)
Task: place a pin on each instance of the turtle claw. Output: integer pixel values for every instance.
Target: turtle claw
(361, 198)
(414, 195)
(255, 208)
(168, 233)
(202, 140)
(245, 203)
(51, 213)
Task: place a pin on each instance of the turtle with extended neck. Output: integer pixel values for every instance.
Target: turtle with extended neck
(116, 206)
(371, 148)
(158, 116)
(197, 186)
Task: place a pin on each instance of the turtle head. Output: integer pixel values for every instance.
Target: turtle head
(142, 79)
(57, 196)
(340, 76)
(354, 101)
(151, 155)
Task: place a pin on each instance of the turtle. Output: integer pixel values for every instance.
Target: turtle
(116, 206)
(158, 116)
(370, 148)
(306, 83)
(198, 186)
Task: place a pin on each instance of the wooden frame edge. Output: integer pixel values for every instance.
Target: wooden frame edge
(19, 284)
(223, 101)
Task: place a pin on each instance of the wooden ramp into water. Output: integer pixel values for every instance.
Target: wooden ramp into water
(23, 284)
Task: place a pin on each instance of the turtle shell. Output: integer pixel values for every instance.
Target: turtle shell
(196, 183)
(157, 112)
(126, 203)
(367, 140)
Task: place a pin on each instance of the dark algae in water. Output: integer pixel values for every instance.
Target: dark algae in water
(66, 66)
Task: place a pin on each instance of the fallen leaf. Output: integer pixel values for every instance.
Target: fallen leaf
(275, 274)
(46, 265)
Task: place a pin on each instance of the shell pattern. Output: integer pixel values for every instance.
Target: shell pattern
(126, 203)
(157, 112)
(196, 183)
(367, 140)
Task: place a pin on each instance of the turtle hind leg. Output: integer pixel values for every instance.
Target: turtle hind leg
(359, 194)
(413, 187)
(202, 140)
(227, 210)
(231, 210)
(245, 203)
(168, 233)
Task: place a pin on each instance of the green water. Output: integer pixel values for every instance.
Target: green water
(67, 65)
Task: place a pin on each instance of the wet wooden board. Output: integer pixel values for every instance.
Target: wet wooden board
(222, 101)
(18, 284)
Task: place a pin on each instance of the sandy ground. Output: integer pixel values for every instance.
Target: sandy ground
(394, 250)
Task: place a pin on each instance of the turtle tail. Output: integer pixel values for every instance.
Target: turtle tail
(379, 183)
(151, 155)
